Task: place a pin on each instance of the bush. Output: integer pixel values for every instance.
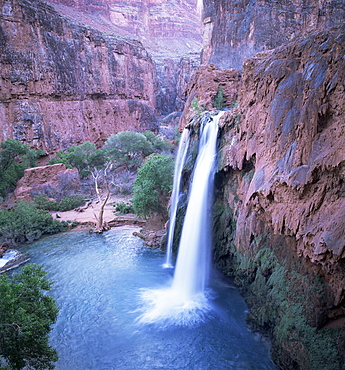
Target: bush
(66, 204)
(153, 186)
(26, 316)
(25, 222)
(218, 100)
(128, 148)
(70, 202)
(124, 208)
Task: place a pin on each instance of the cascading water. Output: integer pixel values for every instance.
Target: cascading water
(180, 159)
(187, 301)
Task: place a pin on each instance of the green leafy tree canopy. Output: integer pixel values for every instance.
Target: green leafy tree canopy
(152, 188)
(26, 316)
(128, 148)
(85, 157)
(15, 157)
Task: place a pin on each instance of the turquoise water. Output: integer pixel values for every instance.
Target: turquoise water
(98, 284)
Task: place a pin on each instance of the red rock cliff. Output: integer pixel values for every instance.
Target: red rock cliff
(235, 30)
(280, 205)
(170, 30)
(62, 83)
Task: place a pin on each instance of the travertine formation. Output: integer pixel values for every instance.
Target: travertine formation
(280, 190)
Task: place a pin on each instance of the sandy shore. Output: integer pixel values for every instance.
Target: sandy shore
(86, 217)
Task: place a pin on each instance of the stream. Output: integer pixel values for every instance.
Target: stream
(98, 281)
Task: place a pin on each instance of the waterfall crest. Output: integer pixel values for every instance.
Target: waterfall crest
(180, 159)
(188, 300)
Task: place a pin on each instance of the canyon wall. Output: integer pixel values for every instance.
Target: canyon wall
(169, 30)
(279, 208)
(237, 29)
(62, 83)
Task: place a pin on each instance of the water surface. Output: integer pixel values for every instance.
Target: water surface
(98, 284)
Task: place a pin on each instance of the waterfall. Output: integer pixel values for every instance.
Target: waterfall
(180, 159)
(187, 300)
(192, 267)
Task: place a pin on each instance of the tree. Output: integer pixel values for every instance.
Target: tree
(152, 188)
(15, 157)
(26, 316)
(159, 144)
(128, 148)
(218, 100)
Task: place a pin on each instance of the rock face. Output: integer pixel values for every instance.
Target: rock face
(279, 226)
(62, 83)
(205, 85)
(55, 181)
(169, 30)
(235, 30)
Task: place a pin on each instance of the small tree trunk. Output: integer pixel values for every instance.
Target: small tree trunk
(100, 226)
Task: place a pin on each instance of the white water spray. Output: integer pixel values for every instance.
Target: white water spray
(188, 301)
(180, 159)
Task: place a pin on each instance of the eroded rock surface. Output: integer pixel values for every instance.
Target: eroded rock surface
(169, 30)
(279, 226)
(235, 30)
(62, 83)
(56, 181)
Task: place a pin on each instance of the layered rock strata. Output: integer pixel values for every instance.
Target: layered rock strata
(169, 30)
(62, 83)
(235, 30)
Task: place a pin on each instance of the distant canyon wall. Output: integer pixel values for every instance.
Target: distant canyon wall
(62, 83)
(169, 30)
(235, 30)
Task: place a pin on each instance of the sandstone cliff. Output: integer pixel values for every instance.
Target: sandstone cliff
(62, 83)
(169, 30)
(236, 30)
(280, 195)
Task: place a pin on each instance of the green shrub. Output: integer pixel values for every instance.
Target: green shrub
(42, 201)
(124, 208)
(15, 157)
(218, 100)
(70, 202)
(66, 204)
(195, 106)
(25, 222)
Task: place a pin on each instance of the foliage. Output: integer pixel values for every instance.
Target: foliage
(15, 157)
(159, 144)
(124, 208)
(218, 100)
(26, 316)
(195, 105)
(25, 222)
(85, 157)
(153, 186)
(68, 203)
(128, 148)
